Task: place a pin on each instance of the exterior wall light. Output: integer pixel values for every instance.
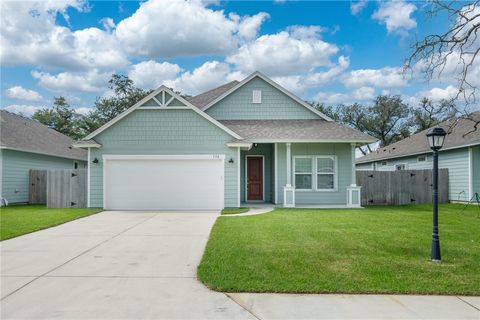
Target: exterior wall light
(95, 161)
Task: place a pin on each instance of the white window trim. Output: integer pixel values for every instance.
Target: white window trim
(315, 173)
(335, 173)
(401, 164)
(294, 173)
(422, 155)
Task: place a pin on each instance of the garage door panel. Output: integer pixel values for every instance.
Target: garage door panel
(164, 184)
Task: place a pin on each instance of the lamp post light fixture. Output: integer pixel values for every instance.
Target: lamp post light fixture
(435, 137)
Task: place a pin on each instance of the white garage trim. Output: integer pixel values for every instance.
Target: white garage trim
(177, 190)
(164, 157)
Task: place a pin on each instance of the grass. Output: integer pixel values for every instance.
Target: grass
(372, 250)
(17, 220)
(235, 210)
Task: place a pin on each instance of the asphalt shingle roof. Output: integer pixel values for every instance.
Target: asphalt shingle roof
(201, 100)
(461, 133)
(295, 130)
(21, 133)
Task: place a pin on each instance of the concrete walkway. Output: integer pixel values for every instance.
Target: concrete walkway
(134, 265)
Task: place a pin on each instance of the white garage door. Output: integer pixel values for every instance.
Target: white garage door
(164, 182)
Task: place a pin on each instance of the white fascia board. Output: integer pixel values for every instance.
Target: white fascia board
(418, 153)
(85, 145)
(275, 85)
(239, 144)
(163, 157)
(42, 153)
(307, 141)
(150, 96)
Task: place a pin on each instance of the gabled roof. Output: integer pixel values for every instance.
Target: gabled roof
(161, 105)
(205, 98)
(258, 74)
(315, 130)
(23, 134)
(461, 133)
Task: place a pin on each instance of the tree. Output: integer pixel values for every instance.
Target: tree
(455, 50)
(61, 117)
(107, 108)
(387, 119)
(430, 114)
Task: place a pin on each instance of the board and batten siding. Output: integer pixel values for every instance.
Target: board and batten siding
(15, 171)
(456, 161)
(265, 150)
(163, 132)
(275, 105)
(343, 152)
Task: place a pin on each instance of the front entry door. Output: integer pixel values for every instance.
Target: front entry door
(254, 178)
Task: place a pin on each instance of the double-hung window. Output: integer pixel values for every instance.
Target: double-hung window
(326, 171)
(315, 173)
(303, 173)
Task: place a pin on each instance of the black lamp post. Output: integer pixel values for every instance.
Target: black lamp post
(435, 137)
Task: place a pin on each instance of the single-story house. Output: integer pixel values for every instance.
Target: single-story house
(27, 144)
(244, 142)
(460, 155)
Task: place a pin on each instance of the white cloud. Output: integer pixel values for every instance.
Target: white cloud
(22, 109)
(437, 94)
(249, 26)
(332, 98)
(383, 78)
(30, 28)
(176, 28)
(150, 74)
(209, 75)
(107, 23)
(83, 111)
(20, 93)
(91, 81)
(357, 6)
(293, 51)
(396, 15)
(363, 94)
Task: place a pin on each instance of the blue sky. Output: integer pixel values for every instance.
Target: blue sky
(333, 52)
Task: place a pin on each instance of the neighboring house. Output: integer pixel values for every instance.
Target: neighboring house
(249, 141)
(460, 155)
(27, 144)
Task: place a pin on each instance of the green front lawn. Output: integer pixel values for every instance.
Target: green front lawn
(372, 250)
(16, 220)
(235, 210)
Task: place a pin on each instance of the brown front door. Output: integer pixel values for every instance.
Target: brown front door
(254, 178)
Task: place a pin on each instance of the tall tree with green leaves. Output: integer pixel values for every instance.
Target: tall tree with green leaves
(61, 117)
(125, 95)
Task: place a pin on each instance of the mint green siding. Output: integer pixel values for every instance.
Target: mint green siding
(364, 166)
(275, 105)
(147, 132)
(15, 171)
(343, 152)
(456, 161)
(476, 170)
(265, 150)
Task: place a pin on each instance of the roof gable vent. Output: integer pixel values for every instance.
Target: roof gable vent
(257, 96)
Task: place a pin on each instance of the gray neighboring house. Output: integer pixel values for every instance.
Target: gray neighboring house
(27, 144)
(460, 155)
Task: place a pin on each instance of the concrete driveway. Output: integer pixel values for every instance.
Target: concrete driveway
(126, 265)
(116, 265)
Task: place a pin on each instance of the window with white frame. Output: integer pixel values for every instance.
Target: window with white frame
(257, 96)
(303, 171)
(326, 171)
(400, 166)
(422, 158)
(315, 173)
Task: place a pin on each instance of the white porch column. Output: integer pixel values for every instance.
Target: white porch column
(354, 170)
(289, 190)
(289, 165)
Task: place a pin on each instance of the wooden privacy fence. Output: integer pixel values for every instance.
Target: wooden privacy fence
(401, 186)
(59, 188)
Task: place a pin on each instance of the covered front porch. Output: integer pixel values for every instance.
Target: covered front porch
(299, 174)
